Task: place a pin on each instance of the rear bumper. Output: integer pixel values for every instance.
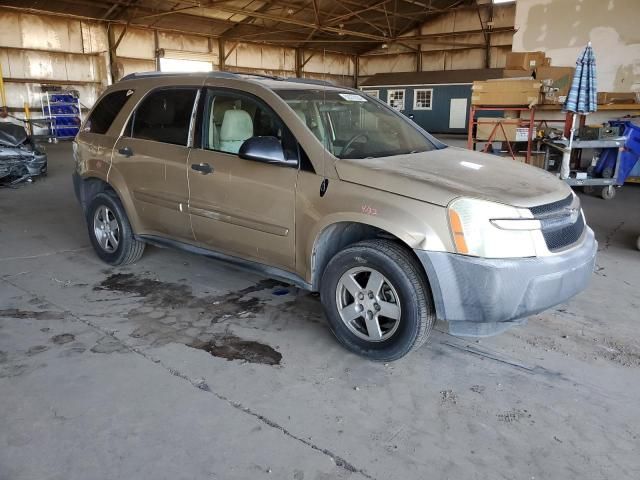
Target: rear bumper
(481, 297)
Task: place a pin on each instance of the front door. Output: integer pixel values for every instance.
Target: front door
(152, 157)
(458, 113)
(241, 207)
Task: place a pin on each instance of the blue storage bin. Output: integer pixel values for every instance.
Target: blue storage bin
(628, 158)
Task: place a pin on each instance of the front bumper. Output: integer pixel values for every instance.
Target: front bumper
(482, 297)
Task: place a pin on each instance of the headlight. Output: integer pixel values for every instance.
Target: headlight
(492, 230)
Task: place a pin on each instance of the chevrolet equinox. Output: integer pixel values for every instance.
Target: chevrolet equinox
(333, 191)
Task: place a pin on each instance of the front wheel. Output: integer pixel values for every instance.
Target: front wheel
(377, 300)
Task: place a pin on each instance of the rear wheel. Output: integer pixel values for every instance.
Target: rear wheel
(110, 231)
(377, 300)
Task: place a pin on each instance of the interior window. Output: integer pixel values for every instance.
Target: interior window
(164, 116)
(106, 111)
(230, 119)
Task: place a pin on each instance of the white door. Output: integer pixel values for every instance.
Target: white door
(458, 113)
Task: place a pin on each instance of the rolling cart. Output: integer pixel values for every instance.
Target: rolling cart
(582, 178)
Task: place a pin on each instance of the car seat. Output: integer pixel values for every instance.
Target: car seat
(237, 127)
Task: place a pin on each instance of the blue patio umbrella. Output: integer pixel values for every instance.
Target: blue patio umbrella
(582, 98)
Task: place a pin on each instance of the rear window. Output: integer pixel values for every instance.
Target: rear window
(106, 110)
(164, 116)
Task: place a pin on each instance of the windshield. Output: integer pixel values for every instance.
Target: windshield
(352, 125)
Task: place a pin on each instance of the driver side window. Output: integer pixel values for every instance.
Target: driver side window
(230, 119)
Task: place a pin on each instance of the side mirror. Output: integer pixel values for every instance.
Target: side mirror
(264, 149)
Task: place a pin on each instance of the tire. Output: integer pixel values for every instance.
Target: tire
(404, 293)
(120, 248)
(608, 192)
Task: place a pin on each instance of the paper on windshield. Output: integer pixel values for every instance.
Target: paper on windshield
(352, 97)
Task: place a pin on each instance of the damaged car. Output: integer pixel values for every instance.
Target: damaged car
(20, 159)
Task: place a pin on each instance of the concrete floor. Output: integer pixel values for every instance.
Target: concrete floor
(106, 373)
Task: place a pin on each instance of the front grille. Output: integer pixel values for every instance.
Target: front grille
(563, 237)
(558, 229)
(551, 207)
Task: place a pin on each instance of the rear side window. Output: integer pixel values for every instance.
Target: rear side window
(164, 116)
(106, 111)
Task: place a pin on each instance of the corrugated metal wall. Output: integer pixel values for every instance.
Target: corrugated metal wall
(440, 53)
(37, 49)
(40, 49)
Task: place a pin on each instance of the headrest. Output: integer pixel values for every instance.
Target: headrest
(236, 126)
(219, 107)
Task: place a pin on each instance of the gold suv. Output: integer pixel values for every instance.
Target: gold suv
(333, 191)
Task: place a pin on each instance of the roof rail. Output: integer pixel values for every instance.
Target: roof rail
(218, 74)
(133, 76)
(310, 81)
(259, 75)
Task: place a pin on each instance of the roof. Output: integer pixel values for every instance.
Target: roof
(431, 78)
(353, 26)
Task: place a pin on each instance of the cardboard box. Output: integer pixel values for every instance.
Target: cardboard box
(524, 60)
(501, 92)
(556, 81)
(514, 132)
(537, 159)
(506, 85)
(518, 73)
(605, 98)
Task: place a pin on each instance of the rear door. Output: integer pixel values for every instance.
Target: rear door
(96, 138)
(241, 207)
(151, 156)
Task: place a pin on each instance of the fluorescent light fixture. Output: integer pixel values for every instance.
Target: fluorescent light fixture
(504, 1)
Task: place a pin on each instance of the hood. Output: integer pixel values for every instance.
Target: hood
(439, 176)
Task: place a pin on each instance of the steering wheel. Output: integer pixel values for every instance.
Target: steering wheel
(352, 141)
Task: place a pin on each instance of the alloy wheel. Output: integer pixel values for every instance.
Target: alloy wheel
(368, 304)
(106, 229)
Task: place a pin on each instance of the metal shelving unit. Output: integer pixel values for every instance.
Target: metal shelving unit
(527, 121)
(63, 113)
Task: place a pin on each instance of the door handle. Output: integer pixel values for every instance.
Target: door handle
(203, 168)
(126, 151)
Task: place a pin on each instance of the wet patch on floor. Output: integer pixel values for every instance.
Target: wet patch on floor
(163, 294)
(31, 314)
(169, 312)
(36, 349)
(63, 338)
(235, 348)
(17, 370)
